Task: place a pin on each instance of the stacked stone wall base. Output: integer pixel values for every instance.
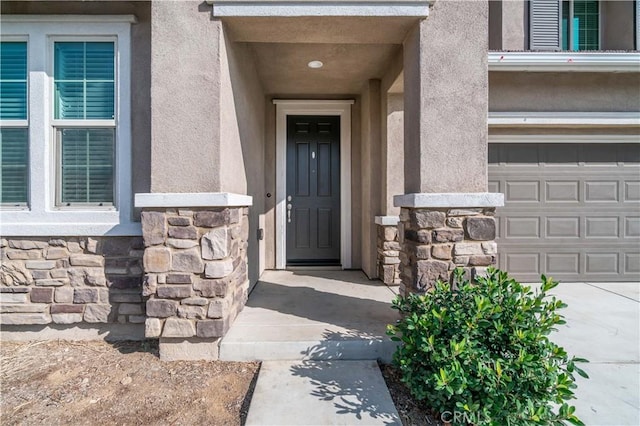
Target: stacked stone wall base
(435, 241)
(69, 281)
(388, 254)
(195, 263)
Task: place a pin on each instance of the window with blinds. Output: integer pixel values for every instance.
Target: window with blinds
(564, 24)
(84, 115)
(14, 132)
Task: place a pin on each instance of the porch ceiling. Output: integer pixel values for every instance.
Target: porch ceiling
(283, 67)
(352, 49)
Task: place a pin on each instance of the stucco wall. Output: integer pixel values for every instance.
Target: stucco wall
(242, 139)
(370, 174)
(511, 91)
(185, 98)
(514, 25)
(446, 108)
(393, 152)
(618, 25)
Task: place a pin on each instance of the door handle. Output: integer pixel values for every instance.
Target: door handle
(289, 207)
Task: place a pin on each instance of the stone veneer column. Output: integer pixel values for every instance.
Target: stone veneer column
(195, 265)
(388, 250)
(440, 232)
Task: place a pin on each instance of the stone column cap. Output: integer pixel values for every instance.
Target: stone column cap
(449, 199)
(387, 220)
(192, 199)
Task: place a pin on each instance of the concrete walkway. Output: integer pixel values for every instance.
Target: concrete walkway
(309, 328)
(321, 393)
(313, 315)
(603, 325)
(318, 334)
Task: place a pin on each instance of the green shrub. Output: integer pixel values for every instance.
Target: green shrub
(482, 355)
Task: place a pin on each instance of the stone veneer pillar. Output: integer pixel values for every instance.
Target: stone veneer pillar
(388, 261)
(440, 232)
(195, 265)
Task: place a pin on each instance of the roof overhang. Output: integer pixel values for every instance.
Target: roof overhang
(294, 8)
(565, 61)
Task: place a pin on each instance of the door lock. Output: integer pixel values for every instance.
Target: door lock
(289, 207)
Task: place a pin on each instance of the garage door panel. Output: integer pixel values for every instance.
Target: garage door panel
(571, 210)
(523, 191)
(522, 227)
(599, 191)
(632, 263)
(602, 227)
(523, 263)
(562, 227)
(562, 191)
(601, 263)
(632, 191)
(632, 227)
(562, 263)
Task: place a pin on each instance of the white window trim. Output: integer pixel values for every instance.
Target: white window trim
(564, 61)
(341, 108)
(559, 119)
(42, 217)
(564, 138)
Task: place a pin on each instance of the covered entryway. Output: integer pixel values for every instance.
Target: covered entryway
(313, 175)
(572, 210)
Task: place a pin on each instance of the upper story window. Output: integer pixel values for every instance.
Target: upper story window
(65, 125)
(564, 25)
(580, 25)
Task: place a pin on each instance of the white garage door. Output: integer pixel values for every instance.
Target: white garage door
(572, 211)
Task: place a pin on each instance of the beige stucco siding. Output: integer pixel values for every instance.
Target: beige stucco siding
(370, 172)
(511, 91)
(445, 137)
(242, 110)
(185, 93)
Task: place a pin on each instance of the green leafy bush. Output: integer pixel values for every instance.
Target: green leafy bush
(481, 354)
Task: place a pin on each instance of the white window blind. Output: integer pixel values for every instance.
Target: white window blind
(14, 147)
(84, 85)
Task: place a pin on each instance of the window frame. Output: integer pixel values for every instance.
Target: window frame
(570, 26)
(42, 216)
(58, 124)
(20, 124)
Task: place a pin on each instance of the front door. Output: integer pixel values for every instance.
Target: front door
(313, 190)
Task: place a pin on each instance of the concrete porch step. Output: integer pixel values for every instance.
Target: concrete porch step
(321, 393)
(307, 315)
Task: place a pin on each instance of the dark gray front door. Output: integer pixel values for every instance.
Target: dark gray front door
(313, 190)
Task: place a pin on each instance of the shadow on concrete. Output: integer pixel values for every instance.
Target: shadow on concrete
(351, 392)
(364, 317)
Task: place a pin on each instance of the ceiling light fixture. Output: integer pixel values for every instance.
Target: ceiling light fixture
(315, 64)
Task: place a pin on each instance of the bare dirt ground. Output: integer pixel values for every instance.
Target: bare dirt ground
(124, 383)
